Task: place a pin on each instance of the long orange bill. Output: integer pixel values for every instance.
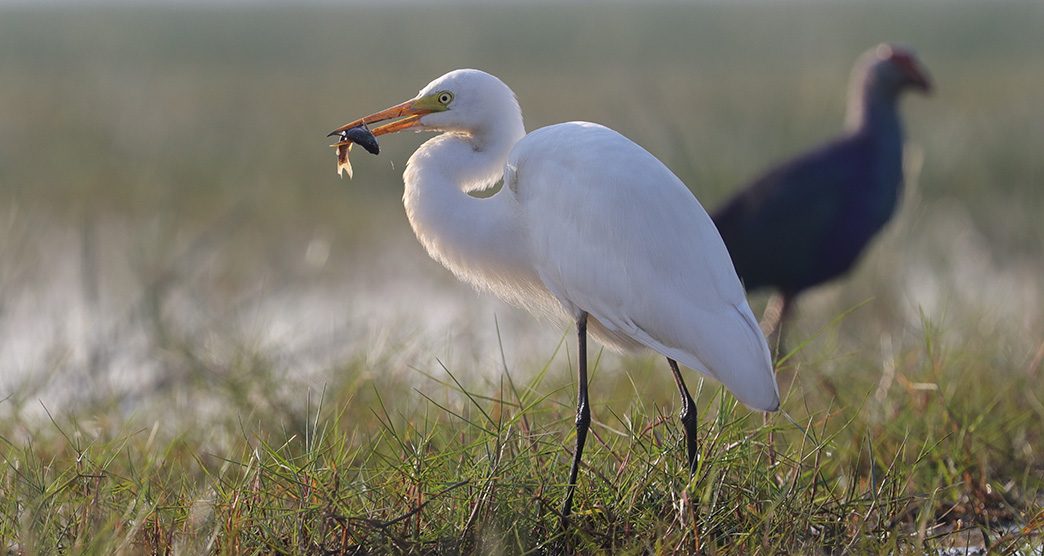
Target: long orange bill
(407, 111)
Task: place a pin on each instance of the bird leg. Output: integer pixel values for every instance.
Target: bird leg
(773, 314)
(776, 314)
(688, 415)
(583, 416)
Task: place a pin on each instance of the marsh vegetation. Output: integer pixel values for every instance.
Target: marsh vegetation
(210, 343)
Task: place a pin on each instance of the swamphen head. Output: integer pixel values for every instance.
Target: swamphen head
(878, 78)
(890, 69)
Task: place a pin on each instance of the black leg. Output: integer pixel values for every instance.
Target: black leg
(688, 415)
(583, 416)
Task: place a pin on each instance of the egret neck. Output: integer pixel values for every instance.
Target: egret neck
(481, 240)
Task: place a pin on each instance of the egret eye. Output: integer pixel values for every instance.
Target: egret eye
(445, 97)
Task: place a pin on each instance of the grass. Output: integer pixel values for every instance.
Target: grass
(902, 461)
(210, 344)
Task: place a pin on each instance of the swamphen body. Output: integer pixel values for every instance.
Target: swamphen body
(807, 221)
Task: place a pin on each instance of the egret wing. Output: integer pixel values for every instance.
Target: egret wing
(614, 233)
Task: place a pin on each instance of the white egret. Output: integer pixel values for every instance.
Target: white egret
(588, 226)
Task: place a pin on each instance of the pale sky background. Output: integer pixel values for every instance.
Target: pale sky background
(143, 3)
(373, 3)
(306, 2)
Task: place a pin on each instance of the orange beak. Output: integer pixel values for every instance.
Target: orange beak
(409, 113)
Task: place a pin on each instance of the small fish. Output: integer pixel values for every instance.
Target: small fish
(360, 135)
(363, 137)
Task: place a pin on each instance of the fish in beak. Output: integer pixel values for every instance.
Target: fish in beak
(406, 115)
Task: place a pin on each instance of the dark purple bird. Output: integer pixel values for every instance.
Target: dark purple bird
(807, 221)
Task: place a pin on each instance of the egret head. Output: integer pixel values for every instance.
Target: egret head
(890, 69)
(465, 100)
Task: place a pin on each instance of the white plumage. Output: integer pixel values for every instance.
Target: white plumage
(614, 233)
(588, 225)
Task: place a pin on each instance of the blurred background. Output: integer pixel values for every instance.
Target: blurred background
(172, 231)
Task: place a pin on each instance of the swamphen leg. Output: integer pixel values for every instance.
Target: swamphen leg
(777, 312)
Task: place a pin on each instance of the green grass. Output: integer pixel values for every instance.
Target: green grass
(432, 464)
(208, 343)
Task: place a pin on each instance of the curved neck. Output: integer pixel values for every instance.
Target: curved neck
(477, 239)
(873, 118)
(873, 110)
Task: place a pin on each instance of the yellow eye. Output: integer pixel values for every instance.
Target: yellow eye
(445, 97)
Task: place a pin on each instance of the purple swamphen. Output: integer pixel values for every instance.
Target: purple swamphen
(807, 221)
